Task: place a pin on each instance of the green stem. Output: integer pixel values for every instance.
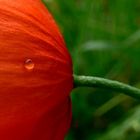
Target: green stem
(89, 81)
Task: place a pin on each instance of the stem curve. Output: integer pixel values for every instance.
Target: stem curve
(90, 81)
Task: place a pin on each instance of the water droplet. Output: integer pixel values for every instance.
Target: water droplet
(29, 65)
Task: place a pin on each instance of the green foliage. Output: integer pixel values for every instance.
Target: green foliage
(103, 37)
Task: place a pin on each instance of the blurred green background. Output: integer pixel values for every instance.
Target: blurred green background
(103, 37)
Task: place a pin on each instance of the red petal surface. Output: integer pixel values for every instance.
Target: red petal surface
(34, 102)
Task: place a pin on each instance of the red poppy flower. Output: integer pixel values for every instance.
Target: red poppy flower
(35, 74)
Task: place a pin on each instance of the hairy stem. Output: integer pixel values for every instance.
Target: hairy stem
(89, 81)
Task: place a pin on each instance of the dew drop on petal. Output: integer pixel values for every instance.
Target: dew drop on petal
(29, 65)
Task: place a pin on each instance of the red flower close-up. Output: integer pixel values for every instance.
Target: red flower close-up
(35, 74)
